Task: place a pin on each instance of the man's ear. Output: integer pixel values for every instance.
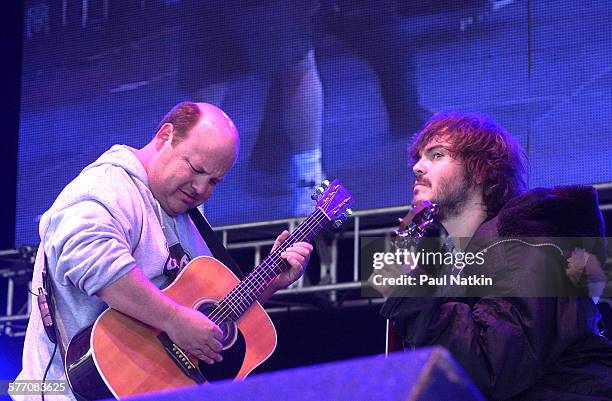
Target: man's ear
(164, 135)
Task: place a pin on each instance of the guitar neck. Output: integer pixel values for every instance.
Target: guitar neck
(243, 296)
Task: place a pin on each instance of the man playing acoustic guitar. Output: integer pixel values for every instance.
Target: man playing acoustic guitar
(119, 232)
(532, 334)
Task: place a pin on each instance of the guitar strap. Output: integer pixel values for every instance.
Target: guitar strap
(46, 305)
(213, 242)
(51, 320)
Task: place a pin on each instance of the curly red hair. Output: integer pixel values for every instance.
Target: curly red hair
(491, 156)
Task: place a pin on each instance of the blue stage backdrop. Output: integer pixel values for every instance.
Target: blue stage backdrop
(316, 87)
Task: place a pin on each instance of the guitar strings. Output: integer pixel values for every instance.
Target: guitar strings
(301, 233)
(254, 279)
(242, 296)
(270, 268)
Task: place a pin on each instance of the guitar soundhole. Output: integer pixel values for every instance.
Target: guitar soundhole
(234, 348)
(227, 326)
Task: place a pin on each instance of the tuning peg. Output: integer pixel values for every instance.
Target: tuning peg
(325, 184)
(347, 213)
(337, 223)
(318, 192)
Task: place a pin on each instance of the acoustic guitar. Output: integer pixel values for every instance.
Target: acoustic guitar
(411, 229)
(119, 356)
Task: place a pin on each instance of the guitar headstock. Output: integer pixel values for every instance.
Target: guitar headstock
(421, 215)
(334, 201)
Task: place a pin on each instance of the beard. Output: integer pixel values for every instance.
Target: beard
(451, 195)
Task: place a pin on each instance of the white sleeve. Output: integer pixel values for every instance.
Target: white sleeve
(90, 245)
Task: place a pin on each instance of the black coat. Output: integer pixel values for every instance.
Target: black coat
(523, 348)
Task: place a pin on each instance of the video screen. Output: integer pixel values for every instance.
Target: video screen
(317, 88)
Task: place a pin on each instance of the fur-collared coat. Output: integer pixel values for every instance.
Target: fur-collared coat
(519, 347)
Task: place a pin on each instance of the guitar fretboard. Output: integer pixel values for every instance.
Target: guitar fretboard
(242, 297)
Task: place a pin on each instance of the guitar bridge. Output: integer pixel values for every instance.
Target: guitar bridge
(181, 359)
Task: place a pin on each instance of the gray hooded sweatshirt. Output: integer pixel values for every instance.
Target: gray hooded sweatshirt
(103, 224)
